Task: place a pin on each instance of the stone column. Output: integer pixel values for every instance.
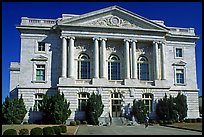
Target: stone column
(127, 59)
(64, 56)
(163, 58)
(103, 68)
(96, 58)
(71, 57)
(156, 64)
(134, 60)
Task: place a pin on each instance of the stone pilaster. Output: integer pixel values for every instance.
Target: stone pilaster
(134, 60)
(163, 60)
(71, 57)
(96, 58)
(103, 68)
(64, 56)
(156, 63)
(127, 59)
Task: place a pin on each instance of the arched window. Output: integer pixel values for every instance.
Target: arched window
(113, 68)
(147, 98)
(83, 67)
(143, 68)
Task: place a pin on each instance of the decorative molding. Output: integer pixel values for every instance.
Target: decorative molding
(112, 49)
(83, 89)
(39, 58)
(179, 63)
(112, 21)
(147, 90)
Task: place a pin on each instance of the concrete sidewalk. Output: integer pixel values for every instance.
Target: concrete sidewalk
(132, 130)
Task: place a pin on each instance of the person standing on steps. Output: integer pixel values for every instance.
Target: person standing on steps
(146, 121)
(110, 118)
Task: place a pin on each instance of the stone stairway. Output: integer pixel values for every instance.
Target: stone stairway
(117, 121)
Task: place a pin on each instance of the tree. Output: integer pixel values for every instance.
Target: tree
(162, 108)
(139, 110)
(13, 111)
(55, 109)
(170, 108)
(94, 109)
(181, 106)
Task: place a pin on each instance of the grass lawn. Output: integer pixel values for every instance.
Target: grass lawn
(70, 129)
(196, 126)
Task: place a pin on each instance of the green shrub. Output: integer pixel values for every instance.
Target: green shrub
(72, 123)
(188, 120)
(199, 120)
(36, 131)
(57, 130)
(169, 122)
(25, 122)
(10, 132)
(23, 131)
(17, 121)
(84, 122)
(78, 122)
(48, 131)
(63, 128)
(193, 120)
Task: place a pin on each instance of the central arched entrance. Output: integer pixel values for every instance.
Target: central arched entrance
(116, 99)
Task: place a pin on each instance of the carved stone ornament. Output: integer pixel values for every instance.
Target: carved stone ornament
(112, 49)
(113, 21)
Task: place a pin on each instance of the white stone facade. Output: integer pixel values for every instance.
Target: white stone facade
(99, 35)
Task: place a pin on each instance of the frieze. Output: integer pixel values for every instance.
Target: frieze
(113, 21)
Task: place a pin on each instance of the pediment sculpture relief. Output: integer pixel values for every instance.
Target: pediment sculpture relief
(112, 21)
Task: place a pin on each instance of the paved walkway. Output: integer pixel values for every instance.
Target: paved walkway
(133, 130)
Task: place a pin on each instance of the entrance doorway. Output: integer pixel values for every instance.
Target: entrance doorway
(116, 99)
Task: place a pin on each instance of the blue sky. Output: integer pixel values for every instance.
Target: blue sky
(174, 14)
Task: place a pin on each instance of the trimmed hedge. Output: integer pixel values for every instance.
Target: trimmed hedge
(57, 130)
(63, 128)
(23, 131)
(36, 131)
(48, 131)
(10, 132)
(73, 123)
(78, 122)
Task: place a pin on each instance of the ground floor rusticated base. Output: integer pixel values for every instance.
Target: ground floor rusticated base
(116, 100)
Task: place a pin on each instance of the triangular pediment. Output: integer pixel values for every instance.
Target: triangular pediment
(113, 17)
(179, 63)
(39, 58)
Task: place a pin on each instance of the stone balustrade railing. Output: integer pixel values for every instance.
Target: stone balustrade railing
(38, 22)
(187, 31)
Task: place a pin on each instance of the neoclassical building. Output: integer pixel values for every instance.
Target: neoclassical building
(113, 52)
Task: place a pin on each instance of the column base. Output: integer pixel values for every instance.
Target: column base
(99, 81)
(66, 81)
(132, 82)
(161, 83)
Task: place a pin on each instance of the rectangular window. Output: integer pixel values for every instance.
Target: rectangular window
(179, 76)
(82, 101)
(40, 73)
(179, 52)
(41, 46)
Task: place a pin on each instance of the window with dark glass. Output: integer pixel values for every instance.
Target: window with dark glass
(179, 76)
(41, 46)
(179, 52)
(82, 100)
(143, 68)
(84, 67)
(40, 72)
(147, 98)
(38, 101)
(113, 68)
